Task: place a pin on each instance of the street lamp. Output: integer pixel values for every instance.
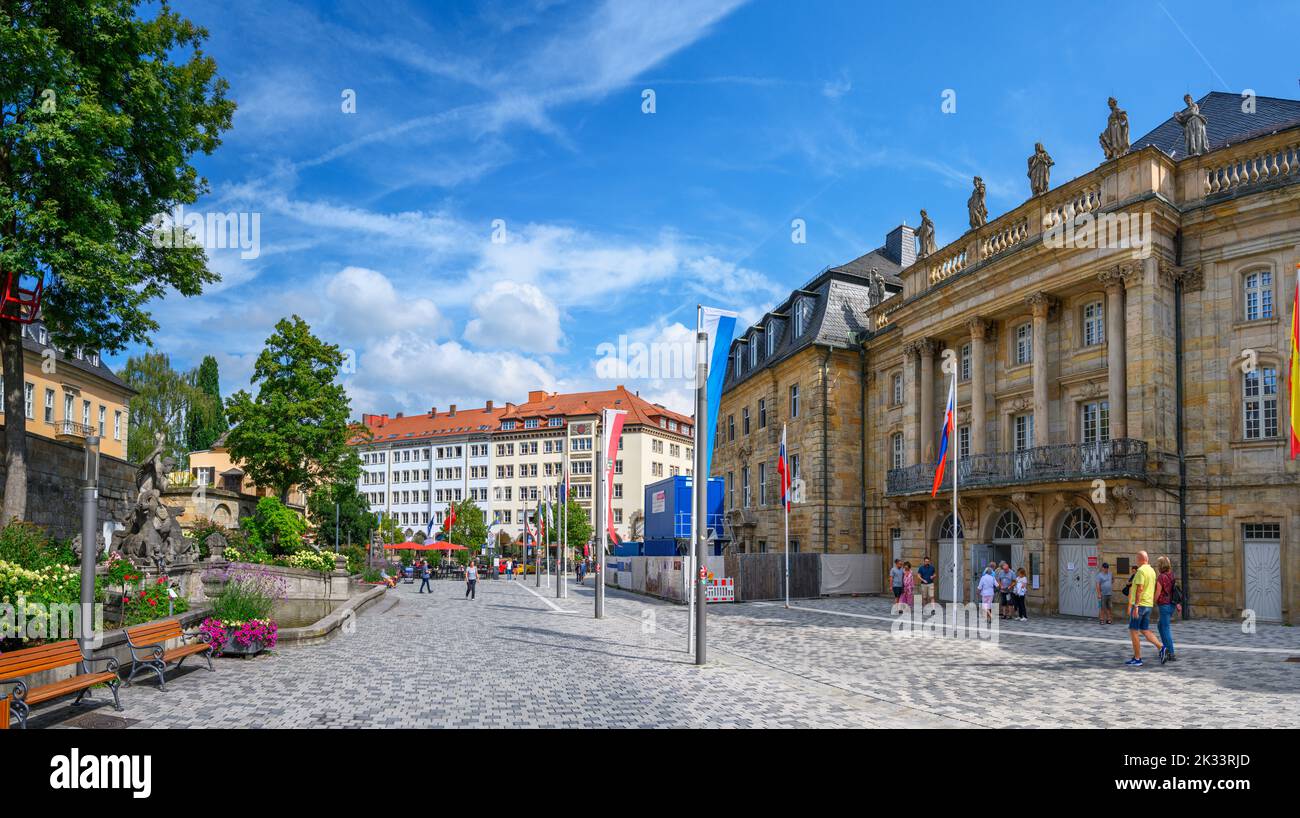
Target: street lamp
(89, 546)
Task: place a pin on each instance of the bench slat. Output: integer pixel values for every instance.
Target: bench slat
(37, 659)
(53, 691)
(4, 714)
(153, 633)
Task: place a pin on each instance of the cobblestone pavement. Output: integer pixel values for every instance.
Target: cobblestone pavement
(517, 657)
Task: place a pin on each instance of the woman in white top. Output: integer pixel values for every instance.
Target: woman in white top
(1018, 594)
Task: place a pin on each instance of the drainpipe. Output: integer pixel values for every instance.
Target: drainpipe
(862, 448)
(1178, 394)
(826, 471)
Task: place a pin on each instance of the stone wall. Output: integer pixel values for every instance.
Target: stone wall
(54, 472)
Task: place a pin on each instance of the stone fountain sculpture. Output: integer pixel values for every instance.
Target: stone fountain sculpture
(153, 535)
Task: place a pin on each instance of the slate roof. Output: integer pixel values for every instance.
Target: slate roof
(877, 259)
(1225, 123)
(34, 331)
(840, 300)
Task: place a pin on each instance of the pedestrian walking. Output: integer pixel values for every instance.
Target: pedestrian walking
(471, 580)
(1169, 599)
(425, 575)
(896, 579)
(909, 585)
(1006, 578)
(925, 574)
(987, 587)
(510, 569)
(1142, 598)
(1105, 586)
(1018, 594)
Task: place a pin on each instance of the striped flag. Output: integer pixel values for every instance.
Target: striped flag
(948, 435)
(1295, 369)
(613, 430)
(784, 472)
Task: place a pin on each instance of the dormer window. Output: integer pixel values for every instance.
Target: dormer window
(740, 360)
(773, 330)
(803, 310)
(530, 423)
(555, 421)
(507, 425)
(753, 351)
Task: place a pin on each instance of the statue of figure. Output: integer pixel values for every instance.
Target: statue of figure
(979, 213)
(925, 234)
(152, 534)
(876, 286)
(1114, 140)
(1195, 141)
(99, 546)
(1040, 170)
(217, 544)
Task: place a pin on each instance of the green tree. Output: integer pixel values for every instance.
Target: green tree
(579, 530)
(389, 530)
(206, 419)
(296, 431)
(355, 519)
(469, 530)
(101, 112)
(165, 399)
(274, 528)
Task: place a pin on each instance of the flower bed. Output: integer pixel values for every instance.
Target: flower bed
(240, 638)
(241, 621)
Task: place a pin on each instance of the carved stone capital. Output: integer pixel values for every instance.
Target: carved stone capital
(926, 347)
(1041, 304)
(979, 327)
(1191, 276)
(1111, 278)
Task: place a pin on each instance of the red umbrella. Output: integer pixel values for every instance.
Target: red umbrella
(411, 546)
(446, 546)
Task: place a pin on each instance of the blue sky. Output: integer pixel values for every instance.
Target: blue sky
(376, 226)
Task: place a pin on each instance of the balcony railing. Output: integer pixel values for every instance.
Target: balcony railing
(1042, 464)
(71, 430)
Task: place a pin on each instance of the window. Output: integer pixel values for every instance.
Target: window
(1023, 431)
(618, 491)
(897, 386)
(102, 414)
(739, 365)
(507, 425)
(744, 485)
(1094, 324)
(117, 425)
(965, 362)
(762, 413)
(530, 423)
(753, 351)
(731, 489)
(762, 483)
(794, 467)
(1095, 421)
(803, 310)
(1079, 524)
(731, 428)
(27, 397)
(618, 467)
(773, 328)
(1262, 531)
(963, 442)
(896, 448)
(49, 405)
(744, 420)
(794, 400)
(1024, 344)
(554, 421)
(1258, 295)
(1259, 404)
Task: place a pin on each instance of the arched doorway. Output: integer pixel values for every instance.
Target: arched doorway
(1009, 540)
(1076, 548)
(945, 568)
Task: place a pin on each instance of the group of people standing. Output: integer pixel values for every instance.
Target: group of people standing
(1149, 590)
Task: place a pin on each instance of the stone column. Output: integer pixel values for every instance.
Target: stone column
(1116, 360)
(926, 348)
(1041, 303)
(978, 409)
(912, 417)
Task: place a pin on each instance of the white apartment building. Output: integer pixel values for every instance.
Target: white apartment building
(505, 458)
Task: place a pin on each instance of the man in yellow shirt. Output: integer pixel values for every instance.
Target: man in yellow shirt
(1141, 599)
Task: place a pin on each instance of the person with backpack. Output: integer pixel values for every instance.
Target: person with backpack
(1169, 599)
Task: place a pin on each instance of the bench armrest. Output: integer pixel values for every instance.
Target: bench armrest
(137, 650)
(188, 638)
(20, 687)
(110, 661)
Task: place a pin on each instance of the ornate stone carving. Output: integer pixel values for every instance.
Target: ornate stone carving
(153, 534)
(925, 236)
(1192, 277)
(1123, 498)
(1027, 505)
(1040, 170)
(978, 327)
(1111, 278)
(1092, 389)
(926, 346)
(1195, 141)
(1041, 304)
(1114, 140)
(979, 213)
(876, 286)
(99, 546)
(216, 543)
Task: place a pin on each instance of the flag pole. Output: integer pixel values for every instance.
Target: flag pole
(785, 502)
(688, 575)
(701, 498)
(956, 522)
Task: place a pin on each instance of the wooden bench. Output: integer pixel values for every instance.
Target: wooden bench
(4, 714)
(19, 663)
(147, 651)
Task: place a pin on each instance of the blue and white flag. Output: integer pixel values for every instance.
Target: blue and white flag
(720, 326)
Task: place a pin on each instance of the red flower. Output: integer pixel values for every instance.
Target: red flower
(153, 602)
(126, 600)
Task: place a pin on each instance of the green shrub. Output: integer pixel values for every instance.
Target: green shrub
(274, 528)
(248, 593)
(27, 545)
(204, 528)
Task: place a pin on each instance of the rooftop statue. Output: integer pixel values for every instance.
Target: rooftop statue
(1195, 141)
(1040, 170)
(925, 235)
(1114, 140)
(979, 213)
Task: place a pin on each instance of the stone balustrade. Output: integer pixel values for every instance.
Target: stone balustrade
(1229, 170)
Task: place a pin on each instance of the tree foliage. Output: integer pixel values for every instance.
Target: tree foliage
(101, 112)
(470, 528)
(165, 401)
(206, 420)
(274, 528)
(355, 519)
(295, 432)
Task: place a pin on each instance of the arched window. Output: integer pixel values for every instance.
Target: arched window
(1009, 527)
(1094, 324)
(945, 530)
(1024, 347)
(1079, 524)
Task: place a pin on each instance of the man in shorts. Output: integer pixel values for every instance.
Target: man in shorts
(1142, 598)
(1006, 578)
(896, 579)
(1105, 586)
(926, 574)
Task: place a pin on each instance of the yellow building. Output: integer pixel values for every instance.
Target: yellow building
(72, 394)
(226, 494)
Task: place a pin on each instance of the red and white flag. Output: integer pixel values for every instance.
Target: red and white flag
(613, 429)
(784, 472)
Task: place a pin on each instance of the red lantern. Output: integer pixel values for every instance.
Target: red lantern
(20, 303)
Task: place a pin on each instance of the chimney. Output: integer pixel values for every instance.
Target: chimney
(509, 406)
(900, 245)
(452, 411)
(536, 395)
(433, 411)
(399, 415)
(489, 407)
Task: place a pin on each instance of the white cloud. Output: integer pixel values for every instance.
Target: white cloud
(515, 315)
(367, 305)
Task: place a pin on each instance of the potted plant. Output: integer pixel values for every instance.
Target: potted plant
(243, 613)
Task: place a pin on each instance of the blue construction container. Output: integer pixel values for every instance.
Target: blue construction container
(668, 509)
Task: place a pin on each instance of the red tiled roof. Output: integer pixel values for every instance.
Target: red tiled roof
(422, 426)
(576, 404)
